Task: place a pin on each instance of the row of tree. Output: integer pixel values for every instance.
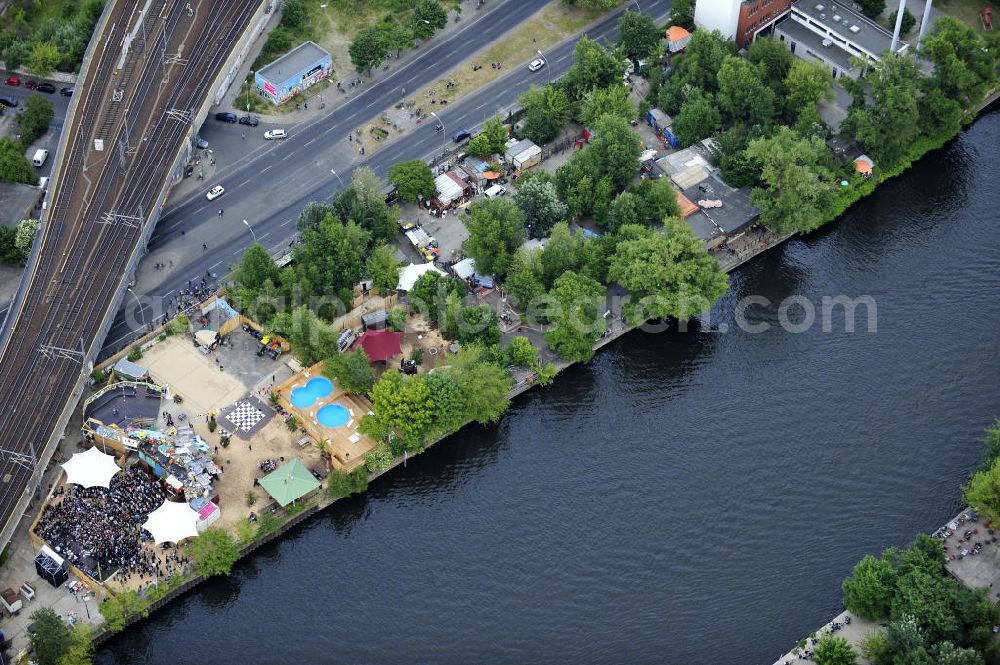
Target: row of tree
(396, 32)
(45, 43)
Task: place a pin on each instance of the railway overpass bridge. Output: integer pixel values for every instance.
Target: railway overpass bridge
(143, 85)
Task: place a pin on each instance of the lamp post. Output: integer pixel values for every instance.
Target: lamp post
(142, 318)
(636, 3)
(545, 60)
(252, 73)
(334, 172)
(250, 228)
(444, 147)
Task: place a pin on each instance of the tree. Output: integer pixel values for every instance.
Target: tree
(484, 385)
(294, 14)
(329, 259)
(34, 119)
(214, 552)
(382, 267)
(255, 267)
(522, 352)
(495, 134)
(353, 371)
(496, 229)
(669, 272)
(413, 180)
(449, 405)
(657, 200)
(478, 325)
(311, 339)
(49, 637)
(872, 8)
(742, 96)
(807, 83)
(682, 14)
(612, 100)
(593, 67)
(602, 5)
(312, 214)
(832, 650)
(579, 322)
(774, 61)
(963, 64)
(868, 591)
(404, 404)
(949, 654)
(983, 491)
(14, 166)
(523, 281)
(562, 252)
(931, 601)
(369, 49)
(538, 200)
(617, 148)
(428, 16)
(24, 236)
(546, 112)
(889, 126)
(44, 58)
(797, 192)
(699, 118)
(638, 35)
(81, 646)
(908, 20)
(430, 291)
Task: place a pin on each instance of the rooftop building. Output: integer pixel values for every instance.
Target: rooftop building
(739, 20)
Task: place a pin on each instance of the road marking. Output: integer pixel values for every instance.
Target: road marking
(266, 168)
(215, 265)
(286, 222)
(288, 156)
(310, 142)
(245, 181)
(483, 104)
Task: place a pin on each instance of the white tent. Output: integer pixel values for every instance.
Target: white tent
(448, 189)
(172, 523)
(91, 469)
(409, 275)
(465, 268)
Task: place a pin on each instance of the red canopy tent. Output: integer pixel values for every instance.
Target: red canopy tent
(380, 345)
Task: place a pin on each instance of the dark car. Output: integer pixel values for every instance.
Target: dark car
(461, 135)
(8, 101)
(47, 88)
(31, 85)
(249, 120)
(66, 92)
(226, 116)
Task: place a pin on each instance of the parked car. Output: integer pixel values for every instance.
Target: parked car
(249, 120)
(226, 116)
(536, 64)
(47, 88)
(200, 142)
(215, 192)
(67, 92)
(12, 80)
(275, 134)
(8, 101)
(461, 135)
(31, 85)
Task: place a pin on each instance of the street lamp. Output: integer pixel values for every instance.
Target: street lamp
(545, 60)
(444, 147)
(142, 318)
(252, 73)
(334, 172)
(250, 228)
(636, 3)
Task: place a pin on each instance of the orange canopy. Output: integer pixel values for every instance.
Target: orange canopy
(863, 164)
(491, 175)
(684, 203)
(676, 33)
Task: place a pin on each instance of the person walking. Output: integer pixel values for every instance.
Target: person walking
(220, 212)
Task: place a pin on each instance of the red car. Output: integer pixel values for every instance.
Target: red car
(13, 80)
(31, 85)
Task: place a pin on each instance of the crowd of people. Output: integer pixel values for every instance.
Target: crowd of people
(99, 530)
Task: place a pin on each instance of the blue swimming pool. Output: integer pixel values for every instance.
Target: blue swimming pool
(333, 415)
(305, 396)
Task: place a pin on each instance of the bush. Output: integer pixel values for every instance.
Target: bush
(397, 319)
(135, 354)
(212, 424)
(34, 119)
(214, 552)
(417, 355)
(224, 440)
(340, 484)
(292, 423)
(379, 458)
(98, 376)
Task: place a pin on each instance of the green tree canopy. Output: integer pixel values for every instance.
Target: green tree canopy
(330, 258)
(496, 229)
(593, 67)
(214, 552)
(49, 637)
(382, 267)
(612, 100)
(579, 303)
(449, 404)
(618, 149)
(14, 166)
(523, 280)
(404, 404)
(484, 385)
(81, 646)
(311, 338)
(982, 492)
(638, 35)
(909, 20)
(542, 208)
(964, 67)
(797, 184)
(774, 61)
(872, 7)
(832, 650)
(428, 16)
(546, 112)
(413, 179)
(369, 49)
(891, 123)
(698, 119)
(430, 292)
(669, 272)
(522, 352)
(868, 591)
(44, 58)
(351, 370)
(807, 83)
(742, 95)
(34, 119)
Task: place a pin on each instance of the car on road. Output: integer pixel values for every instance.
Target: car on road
(215, 192)
(47, 88)
(12, 80)
(275, 134)
(461, 135)
(8, 101)
(536, 64)
(31, 85)
(249, 120)
(226, 116)
(200, 142)
(66, 92)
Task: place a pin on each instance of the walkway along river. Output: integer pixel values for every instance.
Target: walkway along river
(684, 498)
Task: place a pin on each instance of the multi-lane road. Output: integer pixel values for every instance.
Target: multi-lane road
(271, 182)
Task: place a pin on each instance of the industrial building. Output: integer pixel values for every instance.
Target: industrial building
(306, 64)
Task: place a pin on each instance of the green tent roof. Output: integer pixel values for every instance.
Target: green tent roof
(290, 482)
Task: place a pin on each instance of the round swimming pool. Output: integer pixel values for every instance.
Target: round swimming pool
(305, 396)
(333, 415)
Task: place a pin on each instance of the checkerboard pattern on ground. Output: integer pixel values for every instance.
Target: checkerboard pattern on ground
(245, 416)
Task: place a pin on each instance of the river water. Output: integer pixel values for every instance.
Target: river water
(684, 498)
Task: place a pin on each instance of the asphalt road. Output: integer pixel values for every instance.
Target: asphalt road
(60, 104)
(270, 183)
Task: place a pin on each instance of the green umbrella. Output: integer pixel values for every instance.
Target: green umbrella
(292, 481)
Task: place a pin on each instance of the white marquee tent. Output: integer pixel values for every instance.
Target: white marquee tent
(409, 275)
(91, 469)
(172, 523)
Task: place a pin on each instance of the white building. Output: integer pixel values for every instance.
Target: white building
(721, 15)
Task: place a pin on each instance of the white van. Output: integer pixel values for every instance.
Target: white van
(40, 157)
(495, 190)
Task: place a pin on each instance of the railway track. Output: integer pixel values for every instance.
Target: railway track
(100, 211)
